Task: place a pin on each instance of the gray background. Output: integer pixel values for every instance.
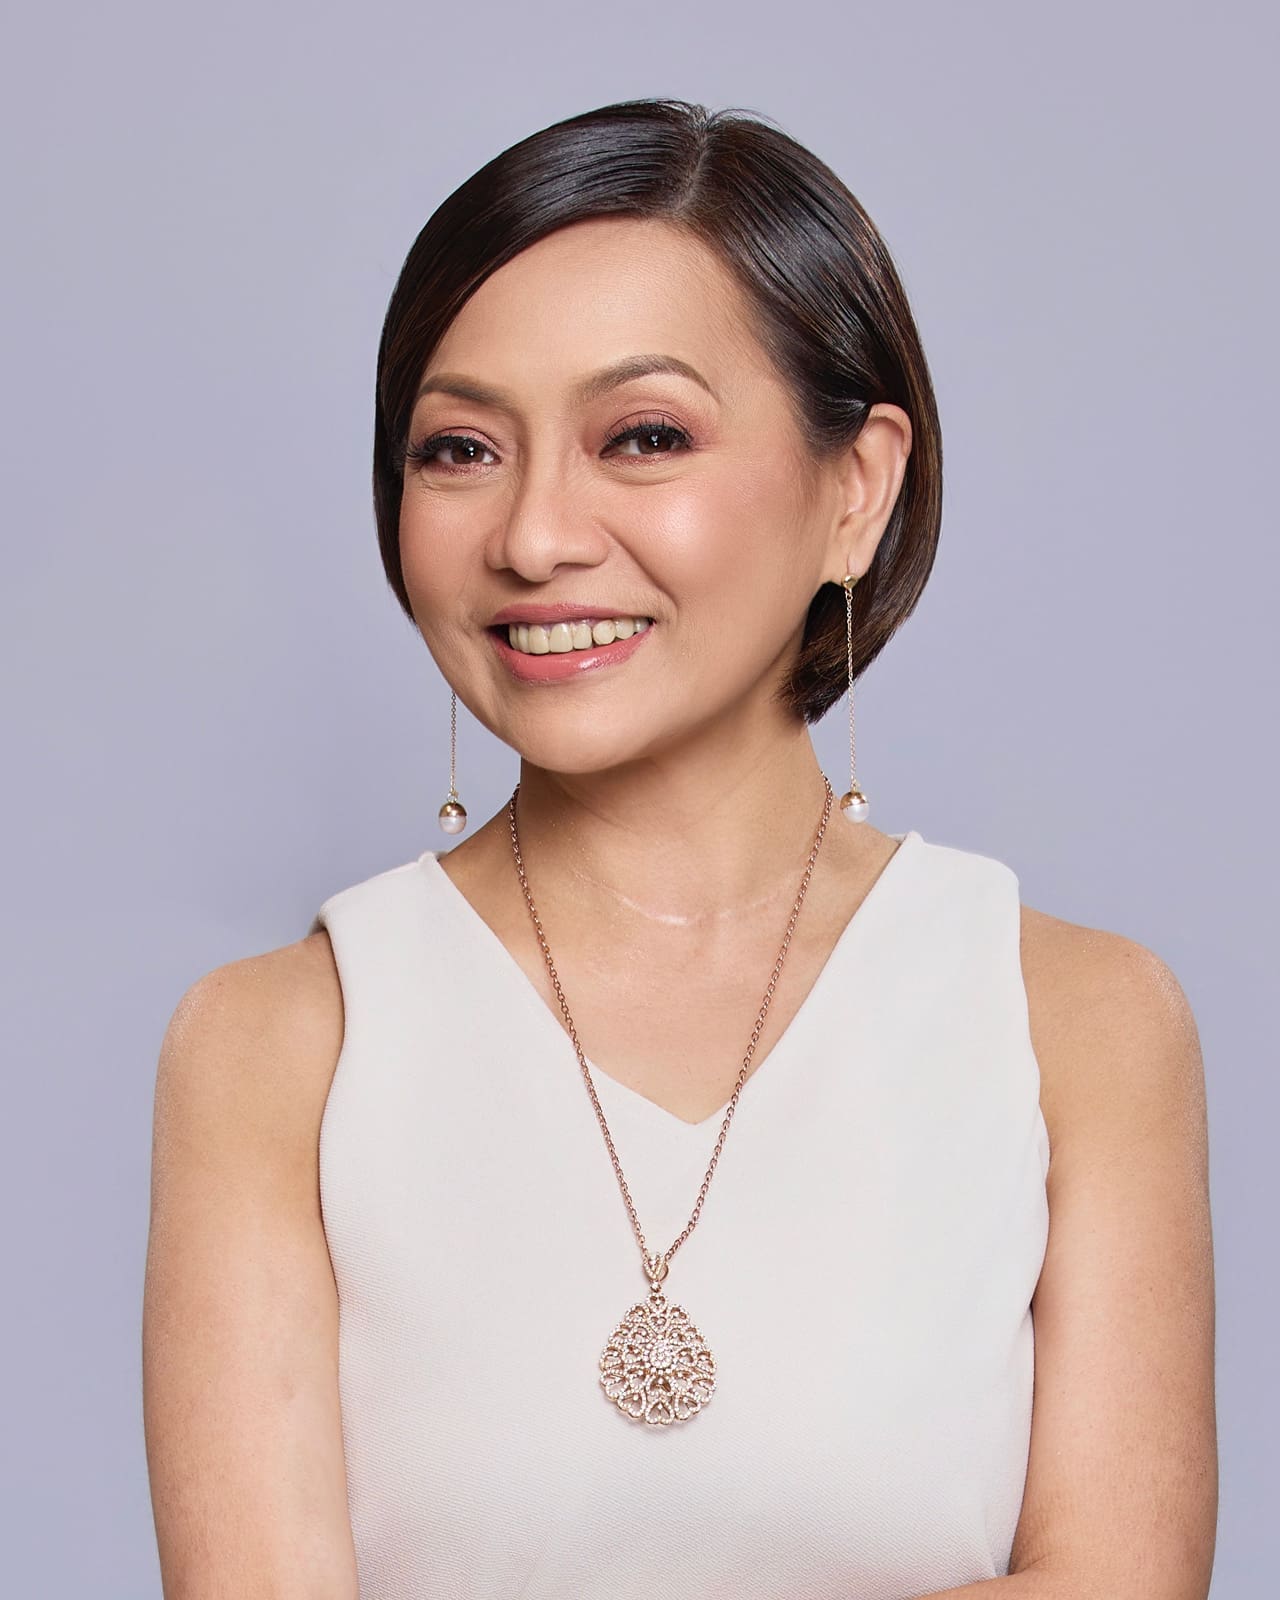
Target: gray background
(216, 716)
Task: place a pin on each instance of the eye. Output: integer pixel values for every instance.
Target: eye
(425, 452)
(655, 438)
(461, 451)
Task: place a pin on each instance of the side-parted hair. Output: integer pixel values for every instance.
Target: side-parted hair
(831, 313)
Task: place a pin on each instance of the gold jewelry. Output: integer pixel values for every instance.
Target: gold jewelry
(657, 1367)
(453, 814)
(855, 804)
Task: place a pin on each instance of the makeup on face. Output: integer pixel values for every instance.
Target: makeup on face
(625, 457)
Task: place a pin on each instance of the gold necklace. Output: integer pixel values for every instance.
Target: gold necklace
(656, 1366)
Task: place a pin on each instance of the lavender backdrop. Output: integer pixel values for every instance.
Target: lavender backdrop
(215, 715)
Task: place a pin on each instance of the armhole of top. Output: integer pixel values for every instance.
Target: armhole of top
(1024, 1020)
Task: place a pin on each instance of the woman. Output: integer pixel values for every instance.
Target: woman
(682, 1219)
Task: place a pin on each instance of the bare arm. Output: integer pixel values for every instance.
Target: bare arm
(1121, 1493)
(240, 1316)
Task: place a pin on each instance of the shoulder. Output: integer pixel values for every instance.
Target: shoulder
(1111, 1027)
(241, 1408)
(253, 1045)
(1122, 1472)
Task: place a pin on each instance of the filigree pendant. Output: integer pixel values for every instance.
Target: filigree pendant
(657, 1367)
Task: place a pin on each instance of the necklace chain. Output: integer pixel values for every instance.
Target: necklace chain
(657, 1264)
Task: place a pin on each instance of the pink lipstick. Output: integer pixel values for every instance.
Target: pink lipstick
(564, 665)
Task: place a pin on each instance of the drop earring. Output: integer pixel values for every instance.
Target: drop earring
(855, 804)
(453, 814)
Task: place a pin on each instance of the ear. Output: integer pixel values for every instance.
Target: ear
(868, 477)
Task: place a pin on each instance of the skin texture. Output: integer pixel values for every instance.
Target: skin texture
(240, 1316)
(666, 811)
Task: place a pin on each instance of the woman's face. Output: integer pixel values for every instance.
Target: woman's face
(711, 518)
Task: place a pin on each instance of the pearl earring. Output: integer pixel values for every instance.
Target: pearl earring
(453, 814)
(855, 804)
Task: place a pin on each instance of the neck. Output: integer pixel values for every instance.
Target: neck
(713, 833)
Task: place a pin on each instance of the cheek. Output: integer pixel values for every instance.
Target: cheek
(416, 571)
(434, 577)
(733, 538)
(430, 559)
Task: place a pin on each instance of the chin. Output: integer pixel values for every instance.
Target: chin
(577, 752)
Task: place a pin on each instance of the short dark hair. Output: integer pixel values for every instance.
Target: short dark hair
(832, 314)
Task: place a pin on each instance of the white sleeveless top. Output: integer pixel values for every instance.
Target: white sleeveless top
(862, 1269)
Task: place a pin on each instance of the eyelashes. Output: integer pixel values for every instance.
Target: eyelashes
(423, 452)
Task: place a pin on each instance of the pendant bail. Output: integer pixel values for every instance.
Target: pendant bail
(656, 1267)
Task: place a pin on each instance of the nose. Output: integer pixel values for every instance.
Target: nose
(548, 523)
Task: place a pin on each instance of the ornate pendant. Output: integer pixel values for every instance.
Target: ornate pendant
(657, 1367)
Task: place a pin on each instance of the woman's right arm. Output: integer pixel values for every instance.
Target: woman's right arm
(240, 1316)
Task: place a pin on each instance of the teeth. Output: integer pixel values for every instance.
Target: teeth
(533, 639)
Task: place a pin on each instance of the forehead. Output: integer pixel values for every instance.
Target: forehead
(598, 291)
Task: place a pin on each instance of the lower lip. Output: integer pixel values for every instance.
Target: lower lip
(562, 665)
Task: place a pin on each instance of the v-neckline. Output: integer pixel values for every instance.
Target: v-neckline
(611, 1088)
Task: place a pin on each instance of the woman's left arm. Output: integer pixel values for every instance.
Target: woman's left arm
(1121, 1496)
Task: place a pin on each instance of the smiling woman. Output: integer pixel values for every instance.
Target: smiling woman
(657, 474)
(719, 230)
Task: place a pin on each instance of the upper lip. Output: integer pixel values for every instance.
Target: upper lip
(563, 612)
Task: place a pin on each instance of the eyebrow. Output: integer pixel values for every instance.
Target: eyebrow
(590, 388)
